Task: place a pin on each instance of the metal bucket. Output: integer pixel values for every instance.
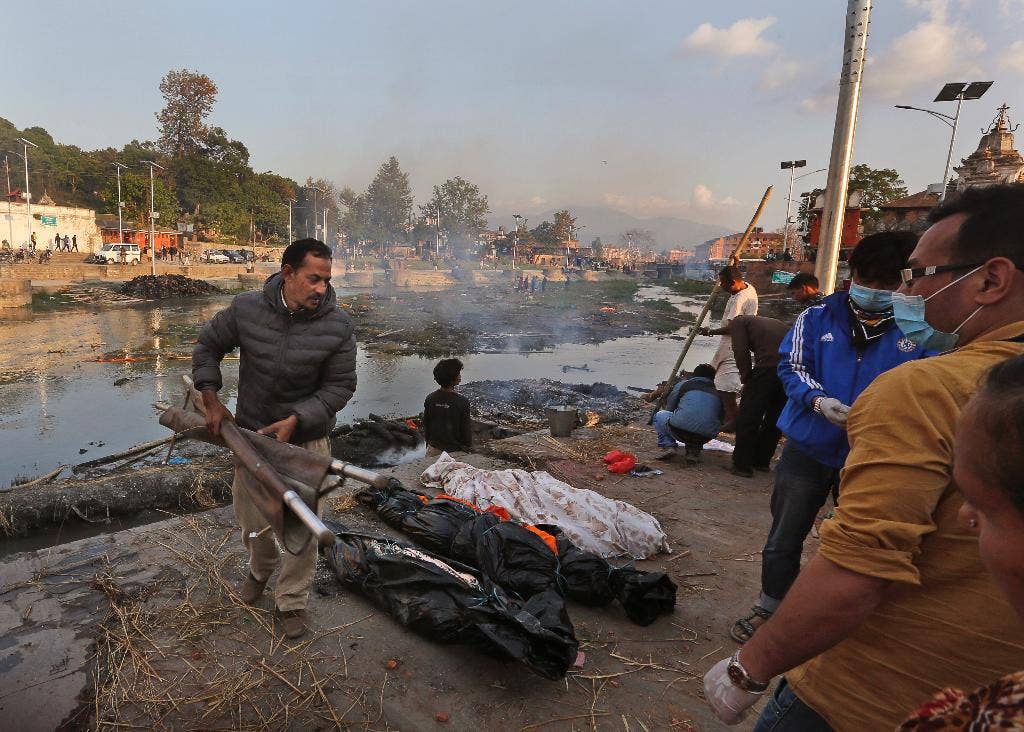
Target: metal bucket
(562, 420)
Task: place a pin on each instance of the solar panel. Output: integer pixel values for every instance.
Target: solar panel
(951, 91)
(976, 88)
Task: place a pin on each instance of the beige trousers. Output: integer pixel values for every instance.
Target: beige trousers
(291, 591)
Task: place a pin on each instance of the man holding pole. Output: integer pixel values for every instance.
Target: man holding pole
(296, 371)
(742, 301)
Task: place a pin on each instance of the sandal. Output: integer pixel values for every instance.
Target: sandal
(742, 630)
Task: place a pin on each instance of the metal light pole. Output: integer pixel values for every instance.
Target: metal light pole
(316, 223)
(855, 47)
(959, 91)
(152, 214)
(791, 165)
(10, 215)
(28, 194)
(120, 204)
(437, 233)
(515, 239)
(289, 205)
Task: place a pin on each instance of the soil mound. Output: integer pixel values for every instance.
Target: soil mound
(165, 286)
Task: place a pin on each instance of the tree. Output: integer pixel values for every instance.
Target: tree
(544, 233)
(564, 225)
(463, 210)
(388, 203)
(879, 185)
(597, 248)
(135, 195)
(188, 99)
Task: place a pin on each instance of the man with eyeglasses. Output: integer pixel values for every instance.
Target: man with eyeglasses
(897, 605)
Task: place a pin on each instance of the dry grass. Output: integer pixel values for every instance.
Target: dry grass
(191, 655)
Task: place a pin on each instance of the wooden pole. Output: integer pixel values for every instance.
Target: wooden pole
(734, 259)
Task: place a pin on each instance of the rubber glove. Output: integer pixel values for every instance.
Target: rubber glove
(729, 702)
(834, 411)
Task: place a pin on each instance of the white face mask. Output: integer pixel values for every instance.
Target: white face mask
(909, 312)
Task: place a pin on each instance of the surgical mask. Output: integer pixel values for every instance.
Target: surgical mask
(874, 301)
(909, 312)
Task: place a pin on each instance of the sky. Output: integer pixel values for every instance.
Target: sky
(652, 107)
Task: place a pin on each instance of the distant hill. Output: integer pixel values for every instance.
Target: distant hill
(608, 223)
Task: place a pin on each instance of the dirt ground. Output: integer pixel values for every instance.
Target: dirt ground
(141, 629)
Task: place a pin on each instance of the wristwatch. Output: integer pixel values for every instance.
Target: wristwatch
(739, 676)
(816, 404)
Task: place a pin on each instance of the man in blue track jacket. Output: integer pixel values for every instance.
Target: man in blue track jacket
(834, 350)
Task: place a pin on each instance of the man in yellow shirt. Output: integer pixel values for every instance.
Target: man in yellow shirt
(897, 605)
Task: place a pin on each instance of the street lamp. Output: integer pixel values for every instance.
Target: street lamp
(28, 194)
(515, 238)
(120, 203)
(289, 205)
(10, 216)
(316, 223)
(792, 165)
(152, 214)
(958, 90)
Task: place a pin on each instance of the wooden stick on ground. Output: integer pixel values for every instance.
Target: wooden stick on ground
(35, 481)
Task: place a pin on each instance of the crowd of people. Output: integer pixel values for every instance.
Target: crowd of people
(902, 400)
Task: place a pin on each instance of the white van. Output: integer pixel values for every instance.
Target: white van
(111, 253)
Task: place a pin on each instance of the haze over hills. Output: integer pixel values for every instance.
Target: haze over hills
(609, 224)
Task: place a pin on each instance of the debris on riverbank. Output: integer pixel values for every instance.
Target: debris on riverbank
(377, 442)
(525, 401)
(165, 286)
(501, 319)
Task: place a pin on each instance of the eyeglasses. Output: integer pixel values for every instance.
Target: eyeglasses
(909, 275)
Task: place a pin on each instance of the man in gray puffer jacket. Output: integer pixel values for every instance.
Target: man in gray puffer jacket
(297, 369)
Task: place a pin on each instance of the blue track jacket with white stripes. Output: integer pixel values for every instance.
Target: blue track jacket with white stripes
(818, 358)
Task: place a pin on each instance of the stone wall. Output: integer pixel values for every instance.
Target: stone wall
(71, 221)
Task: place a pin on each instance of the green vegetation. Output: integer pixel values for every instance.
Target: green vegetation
(690, 287)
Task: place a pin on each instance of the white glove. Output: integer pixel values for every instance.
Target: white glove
(833, 410)
(728, 701)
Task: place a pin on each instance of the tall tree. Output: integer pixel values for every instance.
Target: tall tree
(879, 185)
(544, 233)
(564, 225)
(389, 203)
(597, 248)
(188, 99)
(463, 210)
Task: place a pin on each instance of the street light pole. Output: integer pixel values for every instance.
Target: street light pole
(152, 214)
(959, 91)
(289, 205)
(10, 215)
(120, 204)
(515, 239)
(855, 47)
(28, 193)
(792, 165)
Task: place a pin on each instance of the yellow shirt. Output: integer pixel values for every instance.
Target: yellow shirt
(943, 622)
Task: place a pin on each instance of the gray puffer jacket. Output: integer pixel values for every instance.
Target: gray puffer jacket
(302, 364)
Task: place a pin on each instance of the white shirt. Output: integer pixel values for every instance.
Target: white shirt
(743, 302)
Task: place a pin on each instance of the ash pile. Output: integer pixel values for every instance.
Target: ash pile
(165, 286)
(525, 401)
(377, 442)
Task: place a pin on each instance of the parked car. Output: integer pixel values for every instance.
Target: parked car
(213, 256)
(234, 256)
(112, 253)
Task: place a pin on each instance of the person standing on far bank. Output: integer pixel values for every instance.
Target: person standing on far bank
(297, 370)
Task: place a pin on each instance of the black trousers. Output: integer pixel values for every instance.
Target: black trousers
(761, 403)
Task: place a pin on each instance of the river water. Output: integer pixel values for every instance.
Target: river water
(58, 402)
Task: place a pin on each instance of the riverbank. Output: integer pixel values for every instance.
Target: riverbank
(141, 628)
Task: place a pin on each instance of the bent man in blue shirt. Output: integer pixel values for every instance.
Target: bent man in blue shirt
(692, 415)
